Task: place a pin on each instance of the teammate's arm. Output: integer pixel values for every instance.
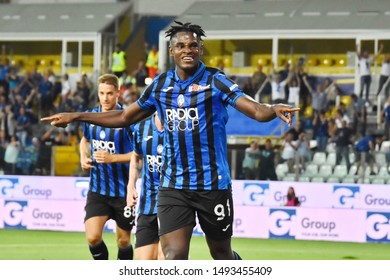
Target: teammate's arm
(85, 154)
(265, 112)
(132, 194)
(115, 118)
(103, 156)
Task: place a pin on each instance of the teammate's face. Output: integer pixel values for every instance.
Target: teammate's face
(108, 97)
(186, 50)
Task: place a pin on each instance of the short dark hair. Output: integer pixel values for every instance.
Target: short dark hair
(184, 27)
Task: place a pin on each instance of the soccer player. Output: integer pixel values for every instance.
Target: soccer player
(148, 137)
(106, 152)
(191, 101)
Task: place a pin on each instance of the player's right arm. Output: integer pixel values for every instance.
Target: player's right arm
(115, 118)
(132, 194)
(85, 154)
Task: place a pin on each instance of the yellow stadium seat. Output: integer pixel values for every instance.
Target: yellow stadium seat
(66, 160)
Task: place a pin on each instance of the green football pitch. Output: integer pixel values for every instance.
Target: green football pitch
(51, 245)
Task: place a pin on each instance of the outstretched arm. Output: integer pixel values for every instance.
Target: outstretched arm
(115, 118)
(265, 112)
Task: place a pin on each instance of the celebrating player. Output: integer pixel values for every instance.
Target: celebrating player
(191, 101)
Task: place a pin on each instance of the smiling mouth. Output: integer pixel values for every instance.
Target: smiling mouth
(187, 59)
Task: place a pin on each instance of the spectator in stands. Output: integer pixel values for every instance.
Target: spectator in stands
(9, 123)
(340, 117)
(251, 160)
(260, 85)
(295, 130)
(365, 148)
(46, 91)
(279, 87)
(44, 159)
(13, 79)
(331, 91)
(386, 119)
(267, 162)
(303, 148)
(118, 64)
(321, 130)
(304, 93)
(384, 77)
(5, 68)
(292, 199)
(11, 156)
(343, 139)
(22, 126)
(289, 151)
(140, 74)
(84, 89)
(152, 62)
(125, 79)
(359, 115)
(365, 61)
(293, 91)
(318, 96)
(66, 91)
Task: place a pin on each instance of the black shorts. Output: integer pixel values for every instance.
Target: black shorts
(177, 209)
(113, 207)
(147, 230)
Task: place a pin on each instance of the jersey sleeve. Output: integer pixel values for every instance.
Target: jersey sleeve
(229, 91)
(146, 100)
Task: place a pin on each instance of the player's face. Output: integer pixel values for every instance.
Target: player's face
(108, 97)
(186, 50)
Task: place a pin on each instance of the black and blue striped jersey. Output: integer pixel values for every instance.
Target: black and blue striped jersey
(109, 179)
(149, 143)
(194, 114)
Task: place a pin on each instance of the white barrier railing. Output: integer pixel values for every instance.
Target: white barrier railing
(334, 212)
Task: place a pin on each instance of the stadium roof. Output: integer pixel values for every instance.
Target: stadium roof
(40, 20)
(290, 17)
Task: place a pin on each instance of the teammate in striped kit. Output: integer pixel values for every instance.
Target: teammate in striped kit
(192, 102)
(148, 137)
(106, 152)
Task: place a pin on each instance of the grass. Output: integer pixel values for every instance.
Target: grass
(50, 245)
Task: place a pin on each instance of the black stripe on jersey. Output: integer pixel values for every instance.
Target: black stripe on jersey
(184, 155)
(225, 89)
(98, 179)
(153, 202)
(197, 152)
(171, 143)
(196, 141)
(104, 166)
(168, 96)
(114, 170)
(210, 135)
(125, 170)
(141, 136)
(160, 84)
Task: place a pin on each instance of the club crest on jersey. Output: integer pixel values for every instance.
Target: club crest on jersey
(195, 87)
(102, 134)
(160, 149)
(180, 100)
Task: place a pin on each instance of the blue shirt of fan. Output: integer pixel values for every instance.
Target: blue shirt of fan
(109, 179)
(363, 145)
(149, 144)
(194, 113)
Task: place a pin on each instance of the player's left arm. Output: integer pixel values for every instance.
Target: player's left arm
(265, 112)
